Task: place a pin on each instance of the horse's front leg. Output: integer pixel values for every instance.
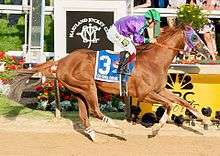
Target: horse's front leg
(154, 97)
(176, 99)
(92, 98)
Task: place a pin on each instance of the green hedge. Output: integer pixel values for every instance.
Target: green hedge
(12, 37)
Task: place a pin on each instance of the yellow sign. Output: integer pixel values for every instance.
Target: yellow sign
(200, 90)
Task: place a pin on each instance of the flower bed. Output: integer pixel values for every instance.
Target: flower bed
(8, 65)
(46, 92)
(11, 63)
(46, 97)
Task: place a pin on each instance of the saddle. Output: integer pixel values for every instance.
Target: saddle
(107, 70)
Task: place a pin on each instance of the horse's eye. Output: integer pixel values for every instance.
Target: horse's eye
(194, 38)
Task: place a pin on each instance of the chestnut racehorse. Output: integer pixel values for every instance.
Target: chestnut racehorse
(147, 82)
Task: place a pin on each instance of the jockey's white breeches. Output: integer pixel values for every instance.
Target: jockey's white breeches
(124, 43)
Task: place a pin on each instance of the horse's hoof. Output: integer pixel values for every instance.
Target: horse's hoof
(155, 132)
(109, 121)
(155, 129)
(91, 133)
(206, 121)
(192, 123)
(206, 127)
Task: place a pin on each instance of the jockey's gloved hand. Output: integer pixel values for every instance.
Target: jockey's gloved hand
(125, 42)
(153, 40)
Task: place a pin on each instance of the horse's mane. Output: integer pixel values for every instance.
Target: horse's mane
(168, 32)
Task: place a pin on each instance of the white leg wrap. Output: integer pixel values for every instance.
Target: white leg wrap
(109, 121)
(164, 118)
(91, 133)
(156, 128)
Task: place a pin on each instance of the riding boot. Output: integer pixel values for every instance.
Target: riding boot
(124, 59)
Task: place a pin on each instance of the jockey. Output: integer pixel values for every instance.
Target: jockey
(134, 30)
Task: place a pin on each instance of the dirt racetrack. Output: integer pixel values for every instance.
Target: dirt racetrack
(30, 137)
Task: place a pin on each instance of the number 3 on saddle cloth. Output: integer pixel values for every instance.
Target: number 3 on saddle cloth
(106, 69)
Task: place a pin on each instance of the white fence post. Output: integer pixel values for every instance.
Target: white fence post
(36, 33)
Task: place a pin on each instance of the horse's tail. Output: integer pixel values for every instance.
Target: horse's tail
(47, 69)
(21, 79)
(20, 83)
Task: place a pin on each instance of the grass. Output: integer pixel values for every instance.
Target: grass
(74, 116)
(11, 109)
(217, 61)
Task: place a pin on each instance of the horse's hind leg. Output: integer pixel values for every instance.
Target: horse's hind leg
(83, 108)
(83, 114)
(92, 98)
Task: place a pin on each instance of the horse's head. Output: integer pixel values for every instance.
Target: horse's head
(195, 44)
(174, 40)
(182, 38)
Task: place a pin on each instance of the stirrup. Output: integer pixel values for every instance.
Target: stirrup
(124, 70)
(123, 63)
(123, 85)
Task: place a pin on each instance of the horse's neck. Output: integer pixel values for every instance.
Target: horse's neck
(164, 56)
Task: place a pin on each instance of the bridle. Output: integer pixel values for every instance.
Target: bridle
(186, 42)
(168, 47)
(165, 46)
(172, 48)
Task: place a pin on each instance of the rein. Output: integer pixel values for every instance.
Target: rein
(164, 46)
(167, 47)
(191, 39)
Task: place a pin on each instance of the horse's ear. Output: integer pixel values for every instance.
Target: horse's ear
(181, 26)
(187, 26)
(190, 24)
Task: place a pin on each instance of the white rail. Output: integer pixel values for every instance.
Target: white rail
(21, 54)
(195, 69)
(22, 9)
(165, 12)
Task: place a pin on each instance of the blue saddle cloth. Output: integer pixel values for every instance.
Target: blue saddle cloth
(106, 66)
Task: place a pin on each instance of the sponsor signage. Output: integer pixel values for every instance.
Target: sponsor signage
(87, 29)
(84, 23)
